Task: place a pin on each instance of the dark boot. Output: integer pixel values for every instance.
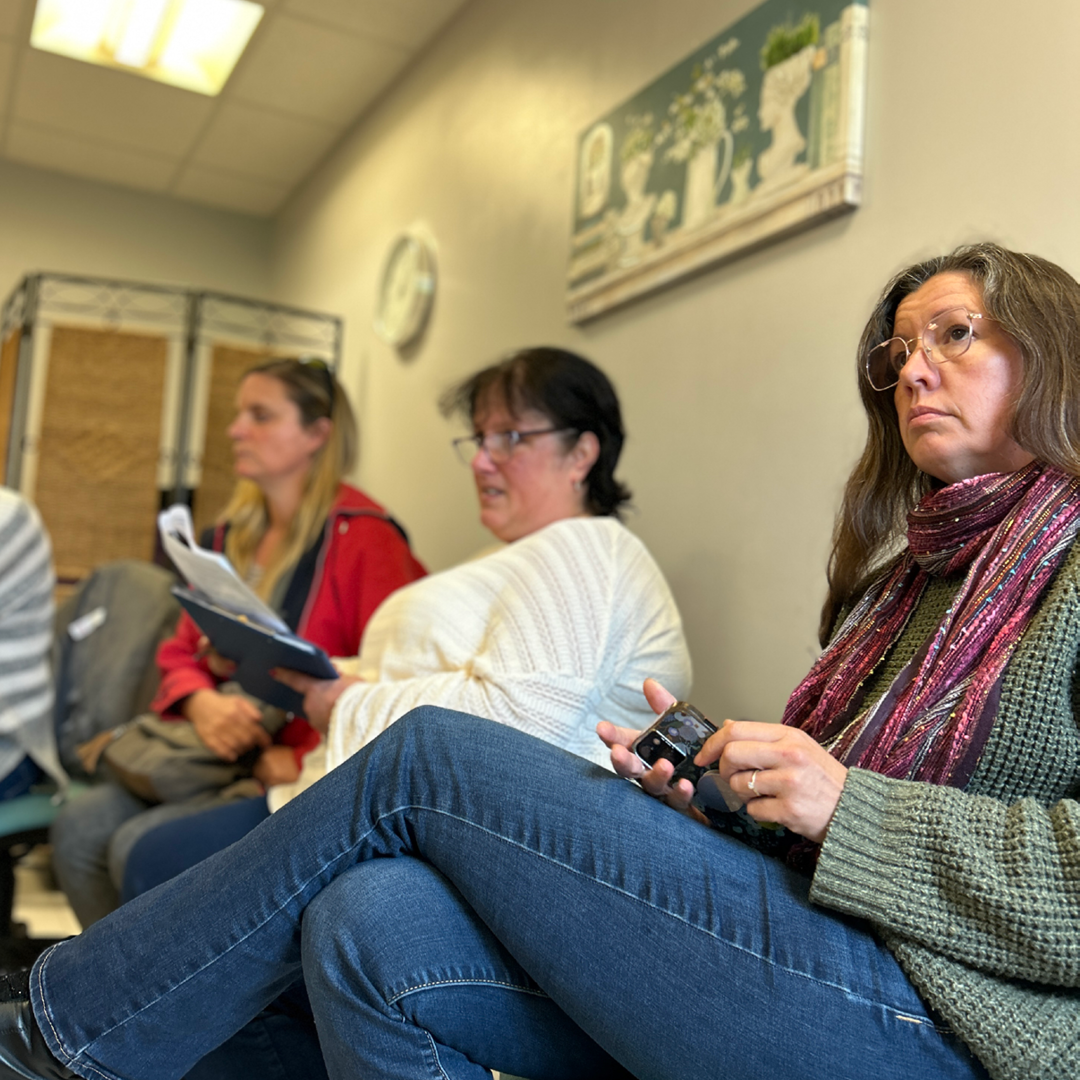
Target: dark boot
(23, 1053)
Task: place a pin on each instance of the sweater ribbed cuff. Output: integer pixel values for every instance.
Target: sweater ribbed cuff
(863, 862)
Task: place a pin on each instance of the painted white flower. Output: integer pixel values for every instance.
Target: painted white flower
(697, 127)
(698, 117)
(732, 82)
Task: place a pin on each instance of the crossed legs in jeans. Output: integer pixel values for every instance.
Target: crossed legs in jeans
(460, 896)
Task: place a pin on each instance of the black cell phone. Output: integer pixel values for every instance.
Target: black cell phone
(677, 735)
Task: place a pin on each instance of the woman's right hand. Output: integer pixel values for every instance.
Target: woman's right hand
(227, 724)
(320, 695)
(657, 780)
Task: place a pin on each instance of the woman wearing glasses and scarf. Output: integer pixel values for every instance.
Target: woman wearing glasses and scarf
(319, 551)
(923, 920)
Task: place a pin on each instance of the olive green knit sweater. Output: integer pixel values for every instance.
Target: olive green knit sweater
(977, 892)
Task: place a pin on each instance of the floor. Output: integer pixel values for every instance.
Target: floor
(38, 902)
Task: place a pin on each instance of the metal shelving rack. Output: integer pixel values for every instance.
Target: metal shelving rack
(196, 319)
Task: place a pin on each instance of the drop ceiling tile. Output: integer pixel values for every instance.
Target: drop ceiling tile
(98, 103)
(311, 70)
(11, 16)
(59, 151)
(230, 192)
(405, 22)
(266, 145)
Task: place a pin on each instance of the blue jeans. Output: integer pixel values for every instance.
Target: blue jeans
(169, 849)
(459, 895)
(21, 779)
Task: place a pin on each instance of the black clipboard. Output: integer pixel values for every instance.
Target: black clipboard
(256, 650)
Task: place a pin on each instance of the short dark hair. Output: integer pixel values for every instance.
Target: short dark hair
(1037, 304)
(571, 392)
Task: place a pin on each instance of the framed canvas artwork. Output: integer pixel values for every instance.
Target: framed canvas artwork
(753, 136)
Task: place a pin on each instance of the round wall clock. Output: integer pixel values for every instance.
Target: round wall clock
(406, 290)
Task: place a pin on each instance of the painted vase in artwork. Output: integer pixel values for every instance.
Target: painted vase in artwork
(698, 199)
(699, 132)
(702, 182)
(782, 87)
(630, 224)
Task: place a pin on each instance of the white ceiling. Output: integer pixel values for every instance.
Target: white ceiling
(311, 69)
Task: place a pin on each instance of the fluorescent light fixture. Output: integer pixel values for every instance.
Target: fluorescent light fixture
(194, 44)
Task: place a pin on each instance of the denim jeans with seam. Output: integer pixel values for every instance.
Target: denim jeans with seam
(460, 896)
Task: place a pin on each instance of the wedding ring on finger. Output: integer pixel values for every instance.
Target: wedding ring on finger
(752, 785)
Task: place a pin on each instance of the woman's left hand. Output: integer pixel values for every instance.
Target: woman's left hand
(797, 783)
(657, 780)
(320, 695)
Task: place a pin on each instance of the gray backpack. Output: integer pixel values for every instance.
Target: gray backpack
(107, 635)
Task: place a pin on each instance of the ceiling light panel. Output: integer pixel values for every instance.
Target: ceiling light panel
(194, 44)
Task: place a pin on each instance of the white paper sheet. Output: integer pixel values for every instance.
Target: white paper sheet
(209, 573)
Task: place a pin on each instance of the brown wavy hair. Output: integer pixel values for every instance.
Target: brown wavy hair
(1038, 305)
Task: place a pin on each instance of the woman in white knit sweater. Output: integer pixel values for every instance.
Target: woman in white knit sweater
(551, 633)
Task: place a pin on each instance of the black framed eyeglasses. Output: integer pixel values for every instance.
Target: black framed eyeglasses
(946, 337)
(498, 445)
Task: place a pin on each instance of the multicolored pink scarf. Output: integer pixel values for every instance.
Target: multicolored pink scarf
(1011, 531)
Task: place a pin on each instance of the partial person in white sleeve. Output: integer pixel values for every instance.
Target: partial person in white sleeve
(27, 742)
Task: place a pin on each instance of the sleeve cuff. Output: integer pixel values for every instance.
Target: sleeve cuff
(862, 866)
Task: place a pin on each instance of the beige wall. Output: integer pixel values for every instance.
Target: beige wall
(738, 386)
(54, 222)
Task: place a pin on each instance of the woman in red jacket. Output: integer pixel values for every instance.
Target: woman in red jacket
(320, 552)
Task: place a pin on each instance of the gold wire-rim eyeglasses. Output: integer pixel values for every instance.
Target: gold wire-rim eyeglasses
(883, 361)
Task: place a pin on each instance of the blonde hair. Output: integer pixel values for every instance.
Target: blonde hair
(313, 389)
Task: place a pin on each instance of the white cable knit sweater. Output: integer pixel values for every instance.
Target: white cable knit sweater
(550, 634)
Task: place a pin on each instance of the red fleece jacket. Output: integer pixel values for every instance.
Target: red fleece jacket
(363, 558)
